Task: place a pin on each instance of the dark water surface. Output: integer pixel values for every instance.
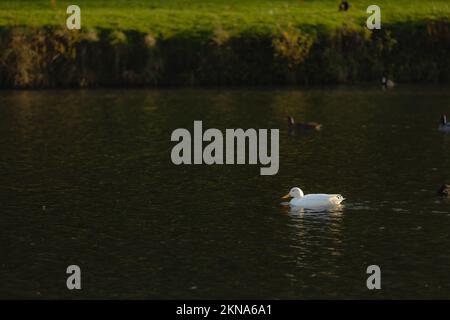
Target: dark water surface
(86, 178)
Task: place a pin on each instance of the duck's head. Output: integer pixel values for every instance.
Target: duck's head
(294, 193)
(443, 119)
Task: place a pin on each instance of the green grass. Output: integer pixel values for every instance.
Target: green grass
(166, 18)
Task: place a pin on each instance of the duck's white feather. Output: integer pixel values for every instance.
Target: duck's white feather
(317, 200)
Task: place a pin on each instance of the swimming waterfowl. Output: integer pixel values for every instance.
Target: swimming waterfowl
(312, 201)
(303, 126)
(444, 125)
(444, 190)
(344, 5)
(387, 83)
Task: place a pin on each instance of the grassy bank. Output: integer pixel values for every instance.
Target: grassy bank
(180, 42)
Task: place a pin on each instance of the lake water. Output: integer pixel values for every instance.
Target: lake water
(86, 179)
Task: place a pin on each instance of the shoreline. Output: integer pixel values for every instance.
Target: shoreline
(49, 57)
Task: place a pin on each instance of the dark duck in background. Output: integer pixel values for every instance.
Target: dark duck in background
(302, 126)
(444, 190)
(387, 83)
(344, 5)
(444, 125)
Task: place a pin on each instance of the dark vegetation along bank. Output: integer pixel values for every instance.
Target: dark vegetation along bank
(47, 57)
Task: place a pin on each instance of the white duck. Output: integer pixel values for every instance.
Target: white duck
(311, 201)
(444, 126)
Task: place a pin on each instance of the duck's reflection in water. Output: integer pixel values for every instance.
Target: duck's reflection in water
(316, 233)
(321, 211)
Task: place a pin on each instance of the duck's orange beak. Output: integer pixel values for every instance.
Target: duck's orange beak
(286, 196)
